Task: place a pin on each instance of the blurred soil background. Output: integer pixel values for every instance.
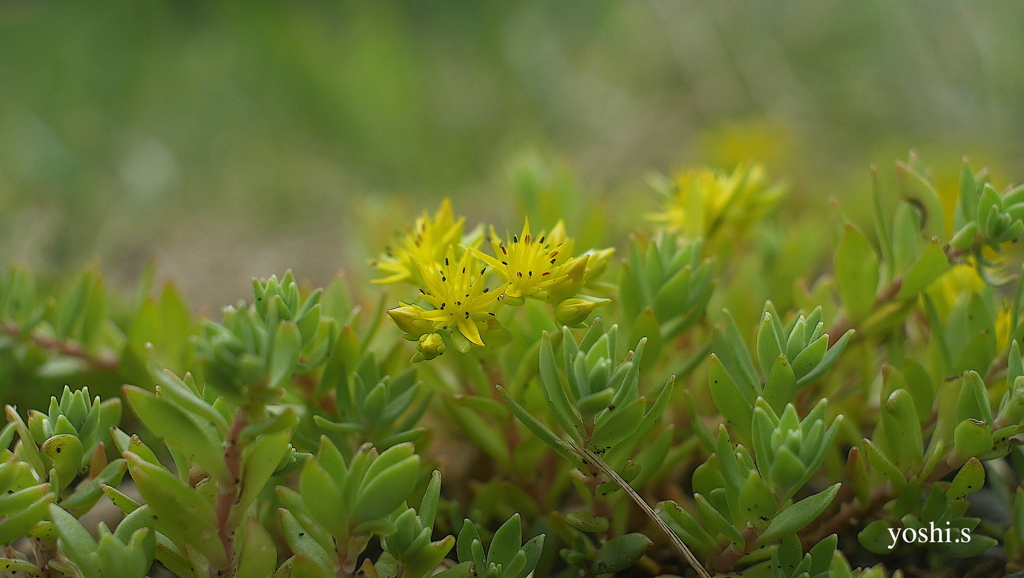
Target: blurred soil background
(232, 139)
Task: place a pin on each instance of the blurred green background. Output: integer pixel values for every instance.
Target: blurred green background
(233, 139)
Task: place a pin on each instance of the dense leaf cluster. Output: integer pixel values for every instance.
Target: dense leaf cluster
(684, 432)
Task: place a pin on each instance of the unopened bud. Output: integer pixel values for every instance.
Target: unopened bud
(569, 281)
(574, 311)
(409, 318)
(431, 345)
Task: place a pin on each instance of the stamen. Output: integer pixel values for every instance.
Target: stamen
(515, 238)
(527, 239)
(503, 251)
(486, 289)
(442, 306)
(484, 270)
(542, 239)
(446, 261)
(520, 273)
(546, 273)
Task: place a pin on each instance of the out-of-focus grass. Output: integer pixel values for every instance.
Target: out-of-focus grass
(233, 139)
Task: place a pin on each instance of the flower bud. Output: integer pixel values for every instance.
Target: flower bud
(569, 280)
(430, 345)
(574, 311)
(409, 318)
(598, 262)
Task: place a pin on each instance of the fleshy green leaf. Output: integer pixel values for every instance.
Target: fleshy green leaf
(794, 518)
(929, 266)
(856, 270)
(620, 553)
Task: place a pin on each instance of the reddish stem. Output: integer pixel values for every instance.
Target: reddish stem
(227, 493)
(69, 348)
(728, 558)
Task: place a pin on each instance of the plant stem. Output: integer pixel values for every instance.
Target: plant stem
(227, 493)
(730, 555)
(680, 547)
(69, 348)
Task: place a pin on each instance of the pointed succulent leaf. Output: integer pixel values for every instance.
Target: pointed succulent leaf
(796, 517)
(620, 553)
(971, 438)
(184, 515)
(65, 451)
(685, 526)
(902, 431)
(317, 559)
(756, 502)
(507, 540)
(970, 478)
(780, 387)
(713, 518)
(561, 406)
(538, 428)
(77, 543)
(199, 441)
(927, 268)
(616, 424)
(730, 400)
(386, 490)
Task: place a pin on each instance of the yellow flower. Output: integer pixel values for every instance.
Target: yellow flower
(425, 243)
(526, 264)
(961, 279)
(459, 295)
(1003, 320)
(706, 201)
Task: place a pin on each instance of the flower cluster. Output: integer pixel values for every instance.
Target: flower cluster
(703, 202)
(459, 296)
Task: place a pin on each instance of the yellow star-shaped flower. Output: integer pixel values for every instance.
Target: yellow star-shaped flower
(459, 294)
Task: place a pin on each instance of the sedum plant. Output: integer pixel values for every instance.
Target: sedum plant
(655, 415)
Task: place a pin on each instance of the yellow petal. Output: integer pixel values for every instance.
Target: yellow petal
(469, 330)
